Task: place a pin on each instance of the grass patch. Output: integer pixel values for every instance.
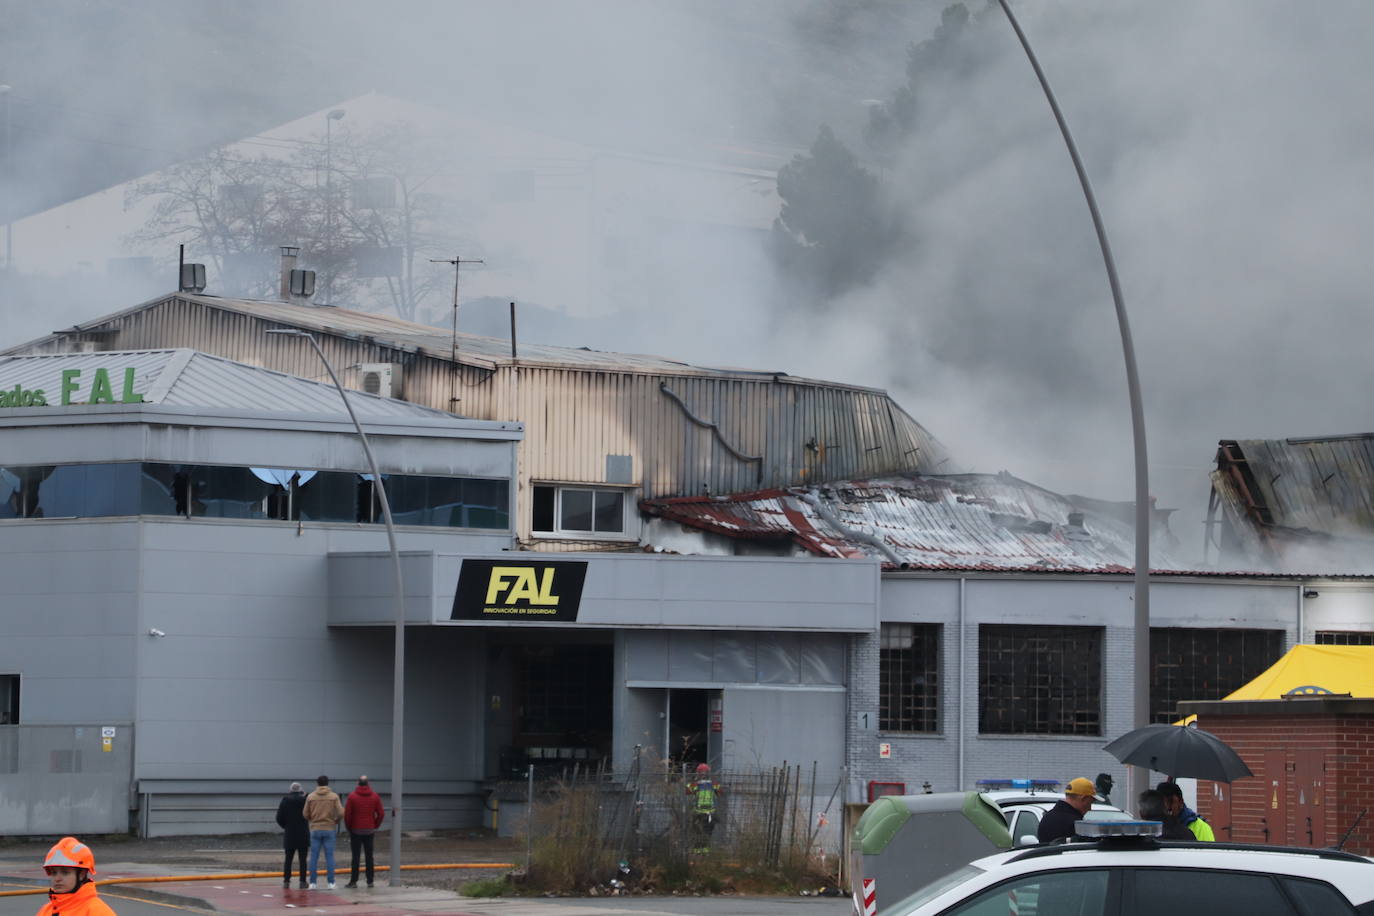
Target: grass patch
(486, 887)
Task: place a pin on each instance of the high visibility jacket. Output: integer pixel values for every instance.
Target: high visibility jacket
(81, 902)
(1202, 830)
(705, 791)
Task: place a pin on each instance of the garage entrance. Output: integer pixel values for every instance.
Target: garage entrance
(548, 701)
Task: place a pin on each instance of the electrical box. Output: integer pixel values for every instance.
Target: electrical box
(382, 378)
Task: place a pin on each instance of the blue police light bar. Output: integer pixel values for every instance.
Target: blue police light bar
(1030, 785)
(1099, 829)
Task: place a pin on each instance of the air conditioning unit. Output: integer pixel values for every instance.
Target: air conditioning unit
(382, 378)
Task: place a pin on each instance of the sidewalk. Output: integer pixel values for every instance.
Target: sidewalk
(263, 896)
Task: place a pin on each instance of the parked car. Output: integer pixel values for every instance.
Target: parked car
(1124, 873)
(1025, 801)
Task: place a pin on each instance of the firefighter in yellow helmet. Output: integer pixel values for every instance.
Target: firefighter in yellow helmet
(71, 892)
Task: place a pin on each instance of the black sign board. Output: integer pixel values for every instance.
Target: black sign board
(519, 590)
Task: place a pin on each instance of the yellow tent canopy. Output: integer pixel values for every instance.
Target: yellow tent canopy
(1311, 671)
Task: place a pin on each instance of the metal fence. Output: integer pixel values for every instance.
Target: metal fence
(586, 821)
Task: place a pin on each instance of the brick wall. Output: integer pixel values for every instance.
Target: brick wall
(1317, 766)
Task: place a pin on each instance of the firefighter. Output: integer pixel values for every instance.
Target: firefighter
(71, 892)
(705, 792)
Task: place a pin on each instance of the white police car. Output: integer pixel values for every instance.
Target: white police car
(1025, 801)
(1127, 871)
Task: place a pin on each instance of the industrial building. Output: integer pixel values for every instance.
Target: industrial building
(769, 568)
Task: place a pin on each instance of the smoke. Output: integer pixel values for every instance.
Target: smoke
(1227, 143)
(1228, 151)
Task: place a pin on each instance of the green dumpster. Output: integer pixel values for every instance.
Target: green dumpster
(904, 842)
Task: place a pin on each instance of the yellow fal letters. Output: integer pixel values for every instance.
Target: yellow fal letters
(520, 583)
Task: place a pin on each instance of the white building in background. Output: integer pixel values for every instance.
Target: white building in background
(582, 229)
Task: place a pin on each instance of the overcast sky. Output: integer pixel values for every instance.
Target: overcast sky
(1228, 142)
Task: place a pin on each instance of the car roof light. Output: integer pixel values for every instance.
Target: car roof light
(1021, 783)
(1098, 829)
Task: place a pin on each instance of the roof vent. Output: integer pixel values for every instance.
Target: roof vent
(382, 378)
(192, 278)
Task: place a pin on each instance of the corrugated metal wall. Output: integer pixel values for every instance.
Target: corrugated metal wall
(803, 431)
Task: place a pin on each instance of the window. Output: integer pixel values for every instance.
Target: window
(1345, 638)
(1082, 892)
(1317, 899)
(1039, 680)
(9, 699)
(579, 511)
(215, 491)
(909, 677)
(1205, 664)
(1178, 890)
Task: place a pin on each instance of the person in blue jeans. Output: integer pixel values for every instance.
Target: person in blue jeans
(322, 811)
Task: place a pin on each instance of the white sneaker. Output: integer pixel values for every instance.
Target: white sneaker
(312, 885)
(331, 885)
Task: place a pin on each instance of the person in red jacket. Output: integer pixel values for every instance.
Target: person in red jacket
(71, 892)
(363, 814)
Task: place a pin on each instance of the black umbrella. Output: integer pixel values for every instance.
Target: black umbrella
(1179, 750)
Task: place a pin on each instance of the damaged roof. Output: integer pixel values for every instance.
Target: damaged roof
(1298, 505)
(992, 522)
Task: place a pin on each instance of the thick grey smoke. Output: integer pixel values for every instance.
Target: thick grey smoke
(1229, 151)
(1228, 143)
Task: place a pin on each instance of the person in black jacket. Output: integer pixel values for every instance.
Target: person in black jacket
(1152, 808)
(1058, 822)
(296, 835)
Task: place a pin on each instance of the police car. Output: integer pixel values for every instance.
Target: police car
(1025, 801)
(1127, 871)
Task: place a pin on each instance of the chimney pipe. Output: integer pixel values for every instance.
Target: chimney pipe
(288, 264)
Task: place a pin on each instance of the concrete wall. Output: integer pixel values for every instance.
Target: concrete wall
(249, 689)
(1103, 601)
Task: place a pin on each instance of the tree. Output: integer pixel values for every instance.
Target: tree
(362, 210)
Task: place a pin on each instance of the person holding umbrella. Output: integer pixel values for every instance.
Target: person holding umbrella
(1174, 805)
(1058, 822)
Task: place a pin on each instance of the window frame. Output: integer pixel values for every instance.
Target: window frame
(1038, 702)
(629, 528)
(1168, 642)
(10, 707)
(930, 637)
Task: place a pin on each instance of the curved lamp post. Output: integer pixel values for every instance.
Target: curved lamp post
(1136, 777)
(399, 663)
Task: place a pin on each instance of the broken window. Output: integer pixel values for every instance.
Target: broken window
(1039, 680)
(1188, 663)
(909, 677)
(1345, 638)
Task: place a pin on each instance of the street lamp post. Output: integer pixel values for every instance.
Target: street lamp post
(9, 179)
(329, 119)
(399, 662)
(1135, 776)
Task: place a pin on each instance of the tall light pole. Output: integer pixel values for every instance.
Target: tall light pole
(398, 681)
(329, 119)
(9, 180)
(1135, 776)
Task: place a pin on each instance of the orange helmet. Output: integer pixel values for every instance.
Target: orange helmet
(71, 853)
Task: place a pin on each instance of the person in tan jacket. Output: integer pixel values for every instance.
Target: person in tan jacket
(322, 812)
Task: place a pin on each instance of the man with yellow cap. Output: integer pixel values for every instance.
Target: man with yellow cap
(70, 865)
(1059, 821)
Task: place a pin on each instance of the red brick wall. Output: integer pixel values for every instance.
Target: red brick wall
(1343, 748)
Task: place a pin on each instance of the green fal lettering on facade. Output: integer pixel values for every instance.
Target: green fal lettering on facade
(102, 392)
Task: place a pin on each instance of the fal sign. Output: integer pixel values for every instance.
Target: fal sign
(73, 389)
(519, 590)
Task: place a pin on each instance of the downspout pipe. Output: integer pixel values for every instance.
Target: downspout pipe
(963, 721)
(863, 537)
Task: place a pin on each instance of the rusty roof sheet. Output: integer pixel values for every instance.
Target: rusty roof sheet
(1300, 504)
(992, 522)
